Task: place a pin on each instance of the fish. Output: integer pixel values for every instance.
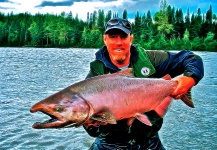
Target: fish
(107, 99)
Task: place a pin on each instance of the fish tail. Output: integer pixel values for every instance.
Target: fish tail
(187, 99)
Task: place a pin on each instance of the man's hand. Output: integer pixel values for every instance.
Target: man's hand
(184, 85)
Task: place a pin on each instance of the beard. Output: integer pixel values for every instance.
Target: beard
(120, 61)
(120, 58)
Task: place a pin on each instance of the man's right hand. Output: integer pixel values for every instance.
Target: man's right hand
(184, 85)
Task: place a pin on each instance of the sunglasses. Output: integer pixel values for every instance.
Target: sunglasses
(123, 22)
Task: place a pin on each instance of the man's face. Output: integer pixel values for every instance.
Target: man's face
(118, 44)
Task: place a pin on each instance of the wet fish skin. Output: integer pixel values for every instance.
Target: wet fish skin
(107, 98)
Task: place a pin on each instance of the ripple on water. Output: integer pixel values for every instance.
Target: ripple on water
(29, 75)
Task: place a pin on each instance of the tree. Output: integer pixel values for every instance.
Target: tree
(198, 44)
(186, 43)
(171, 20)
(192, 30)
(209, 15)
(147, 28)
(179, 26)
(125, 14)
(115, 15)
(195, 31)
(161, 21)
(137, 27)
(108, 16)
(34, 32)
(51, 30)
(170, 13)
(209, 42)
(94, 19)
(198, 22)
(3, 34)
(159, 42)
(215, 31)
(207, 25)
(100, 21)
(163, 5)
(187, 20)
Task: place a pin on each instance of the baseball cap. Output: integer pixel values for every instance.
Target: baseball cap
(118, 23)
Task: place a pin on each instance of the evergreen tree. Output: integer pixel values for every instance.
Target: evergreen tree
(215, 31)
(125, 14)
(3, 34)
(108, 16)
(94, 19)
(187, 20)
(100, 21)
(49, 30)
(115, 15)
(179, 26)
(163, 5)
(186, 43)
(148, 29)
(171, 15)
(209, 15)
(198, 22)
(192, 30)
(207, 25)
(137, 27)
(171, 20)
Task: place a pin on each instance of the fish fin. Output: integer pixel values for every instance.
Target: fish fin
(187, 99)
(163, 107)
(128, 72)
(104, 117)
(130, 121)
(167, 77)
(144, 119)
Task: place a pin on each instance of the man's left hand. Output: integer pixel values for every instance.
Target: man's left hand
(184, 85)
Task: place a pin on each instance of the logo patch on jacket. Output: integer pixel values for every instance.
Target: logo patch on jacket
(145, 71)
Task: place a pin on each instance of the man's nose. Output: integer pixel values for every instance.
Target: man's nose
(119, 40)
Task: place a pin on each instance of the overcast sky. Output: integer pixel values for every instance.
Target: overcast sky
(81, 7)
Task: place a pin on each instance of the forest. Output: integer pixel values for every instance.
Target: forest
(169, 28)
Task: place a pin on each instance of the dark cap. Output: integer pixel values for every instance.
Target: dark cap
(118, 23)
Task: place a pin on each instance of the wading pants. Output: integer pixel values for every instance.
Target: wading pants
(153, 143)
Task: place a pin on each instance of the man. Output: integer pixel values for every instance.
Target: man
(119, 54)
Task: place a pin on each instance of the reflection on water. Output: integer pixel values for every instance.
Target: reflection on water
(30, 74)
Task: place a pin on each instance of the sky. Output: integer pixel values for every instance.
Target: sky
(81, 7)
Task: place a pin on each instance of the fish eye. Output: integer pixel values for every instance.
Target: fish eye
(74, 96)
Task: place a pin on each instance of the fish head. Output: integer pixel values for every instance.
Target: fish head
(66, 109)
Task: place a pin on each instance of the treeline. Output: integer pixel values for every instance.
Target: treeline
(168, 29)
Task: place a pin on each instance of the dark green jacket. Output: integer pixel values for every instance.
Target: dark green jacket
(145, 64)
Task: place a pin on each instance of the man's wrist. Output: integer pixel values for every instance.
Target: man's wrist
(190, 74)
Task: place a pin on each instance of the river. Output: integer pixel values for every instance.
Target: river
(28, 75)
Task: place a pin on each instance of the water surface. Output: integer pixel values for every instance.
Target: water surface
(28, 75)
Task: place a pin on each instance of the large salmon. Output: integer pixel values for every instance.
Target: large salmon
(107, 98)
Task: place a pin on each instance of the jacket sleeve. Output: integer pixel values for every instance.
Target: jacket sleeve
(183, 62)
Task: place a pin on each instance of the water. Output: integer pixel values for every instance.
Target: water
(28, 75)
